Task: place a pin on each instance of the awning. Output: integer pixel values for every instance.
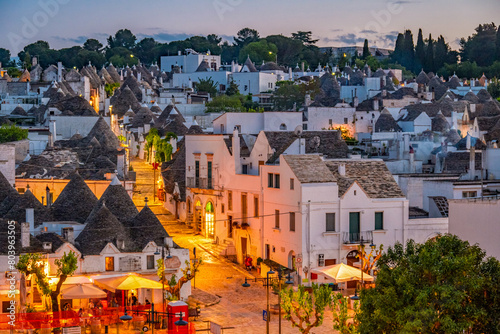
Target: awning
(342, 273)
(82, 291)
(126, 282)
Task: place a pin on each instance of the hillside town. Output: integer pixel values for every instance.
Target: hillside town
(175, 194)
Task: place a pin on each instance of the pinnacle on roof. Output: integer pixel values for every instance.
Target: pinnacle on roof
(146, 227)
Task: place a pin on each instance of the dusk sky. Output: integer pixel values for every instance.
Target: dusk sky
(333, 22)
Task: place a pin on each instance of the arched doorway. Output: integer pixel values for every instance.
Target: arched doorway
(209, 220)
(291, 261)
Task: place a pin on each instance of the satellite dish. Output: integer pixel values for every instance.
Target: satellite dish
(298, 130)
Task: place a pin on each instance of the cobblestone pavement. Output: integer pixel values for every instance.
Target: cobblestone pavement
(237, 306)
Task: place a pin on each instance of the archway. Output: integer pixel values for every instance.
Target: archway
(291, 260)
(209, 220)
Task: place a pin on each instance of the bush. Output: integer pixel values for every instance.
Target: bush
(9, 133)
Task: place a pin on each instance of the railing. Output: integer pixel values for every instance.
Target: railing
(358, 238)
(200, 182)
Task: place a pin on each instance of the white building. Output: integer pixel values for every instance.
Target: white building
(253, 123)
(189, 62)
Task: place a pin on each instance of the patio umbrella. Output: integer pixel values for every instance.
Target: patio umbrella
(342, 273)
(82, 291)
(126, 282)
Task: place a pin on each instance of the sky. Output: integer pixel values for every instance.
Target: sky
(65, 23)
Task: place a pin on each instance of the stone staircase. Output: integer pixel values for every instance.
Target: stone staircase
(226, 249)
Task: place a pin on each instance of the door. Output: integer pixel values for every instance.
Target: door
(354, 228)
(352, 257)
(244, 248)
(268, 251)
(230, 226)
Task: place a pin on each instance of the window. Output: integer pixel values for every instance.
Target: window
(238, 127)
(197, 173)
(283, 126)
(276, 218)
(330, 222)
(304, 126)
(256, 206)
(209, 184)
(244, 207)
(379, 220)
(151, 261)
(222, 208)
(273, 180)
(245, 169)
(330, 121)
(346, 120)
(110, 263)
(469, 194)
(230, 200)
(292, 221)
(222, 128)
(292, 185)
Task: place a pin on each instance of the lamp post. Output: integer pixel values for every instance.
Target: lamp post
(280, 276)
(154, 176)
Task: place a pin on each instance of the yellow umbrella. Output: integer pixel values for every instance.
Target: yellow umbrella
(126, 282)
(342, 273)
(82, 291)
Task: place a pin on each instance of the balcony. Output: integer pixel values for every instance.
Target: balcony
(200, 182)
(365, 237)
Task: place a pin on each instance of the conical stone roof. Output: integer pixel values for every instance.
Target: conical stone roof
(102, 227)
(28, 201)
(118, 201)
(104, 135)
(6, 188)
(76, 201)
(145, 227)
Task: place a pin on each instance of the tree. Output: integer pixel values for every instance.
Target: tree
(429, 55)
(206, 85)
(123, 38)
(246, 36)
(10, 133)
(497, 44)
(408, 55)
(440, 53)
(4, 57)
(305, 37)
(14, 72)
(369, 261)
(145, 50)
(366, 50)
(481, 46)
(232, 89)
(33, 264)
(419, 52)
(173, 286)
(259, 51)
(442, 286)
(301, 306)
(494, 88)
(397, 55)
(92, 45)
(343, 322)
(224, 103)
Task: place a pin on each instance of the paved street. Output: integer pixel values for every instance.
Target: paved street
(219, 280)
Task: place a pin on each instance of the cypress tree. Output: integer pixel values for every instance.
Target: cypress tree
(429, 55)
(441, 53)
(419, 52)
(497, 44)
(408, 51)
(366, 50)
(397, 55)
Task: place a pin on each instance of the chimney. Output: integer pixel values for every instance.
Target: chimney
(412, 162)
(169, 242)
(303, 67)
(120, 243)
(173, 142)
(120, 163)
(34, 62)
(290, 73)
(68, 234)
(437, 167)
(47, 246)
(472, 164)
(342, 169)
(307, 101)
(139, 76)
(52, 129)
(179, 53)
(30, 218)
(236, 151)
(375, 104)
(49, 197)
(147, 127)
(25, 234)
(468, 143)
(59, 72)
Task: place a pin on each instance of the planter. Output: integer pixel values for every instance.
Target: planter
(57, 331)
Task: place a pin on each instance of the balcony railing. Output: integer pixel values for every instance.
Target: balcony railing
(358, 238)
(200, 182)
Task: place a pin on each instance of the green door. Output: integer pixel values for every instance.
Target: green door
(354, 229)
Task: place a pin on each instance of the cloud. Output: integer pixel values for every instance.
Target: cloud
(77, 40)
(349, 39)
(404, 2)
(368, 31)
(165, 36)
(336, 30)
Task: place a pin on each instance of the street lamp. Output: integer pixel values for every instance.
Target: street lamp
(270, 272)
(154, 176)
(288, 281)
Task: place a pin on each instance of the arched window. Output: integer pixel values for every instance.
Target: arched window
(283, 126)
(188, 203)
(209, 220)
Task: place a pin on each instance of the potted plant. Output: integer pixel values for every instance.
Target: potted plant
(57, 330)
(259, 261)
(245, 226)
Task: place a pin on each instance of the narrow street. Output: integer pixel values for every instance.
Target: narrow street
(219, 282)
